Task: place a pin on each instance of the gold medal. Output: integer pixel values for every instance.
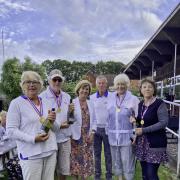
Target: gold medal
(42, 119)
(142, 122)
(58, 110)
(118, 109)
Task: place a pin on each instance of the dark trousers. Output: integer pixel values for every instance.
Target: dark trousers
(99, 138)
(149, 170)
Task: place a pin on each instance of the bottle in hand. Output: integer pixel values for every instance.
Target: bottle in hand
(70, 115)
(46, 125)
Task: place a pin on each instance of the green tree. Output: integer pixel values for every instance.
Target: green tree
(109, 67)
(10, 78)
(11, 73)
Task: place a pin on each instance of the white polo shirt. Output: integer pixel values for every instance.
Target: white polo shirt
(100, 104)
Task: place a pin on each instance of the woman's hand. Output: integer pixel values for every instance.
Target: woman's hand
(138, 131)
(132, 119)
(90, 139)
(41, 137)
(51, 116)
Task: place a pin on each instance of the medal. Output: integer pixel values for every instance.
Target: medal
(58, 110)
(42, 119)
(118, 109)
(119, 103)
(142, 122)
(58, 100)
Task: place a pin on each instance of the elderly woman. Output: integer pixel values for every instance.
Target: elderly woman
(83, 130)
(151, 134)
(122, 107)
(36, 151)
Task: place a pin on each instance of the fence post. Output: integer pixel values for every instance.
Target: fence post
(178, 153)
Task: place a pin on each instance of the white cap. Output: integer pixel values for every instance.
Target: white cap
(56, 73)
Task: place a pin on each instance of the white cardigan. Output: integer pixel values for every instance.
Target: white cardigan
(76, 126)
(23, 125)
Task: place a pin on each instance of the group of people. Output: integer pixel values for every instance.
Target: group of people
(129, 129)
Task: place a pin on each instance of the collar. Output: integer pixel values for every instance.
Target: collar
(105, 94)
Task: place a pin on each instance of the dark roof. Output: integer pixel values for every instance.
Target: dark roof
(160, 48)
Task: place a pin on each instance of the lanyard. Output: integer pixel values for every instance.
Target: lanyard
(144, 110)
(118, 102)
(39, 112)
(58, 98)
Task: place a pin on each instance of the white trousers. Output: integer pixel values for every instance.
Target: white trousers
(39, 169)
(123, 161)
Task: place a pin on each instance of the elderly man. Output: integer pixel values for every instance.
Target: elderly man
(100, 100)
(60, 100)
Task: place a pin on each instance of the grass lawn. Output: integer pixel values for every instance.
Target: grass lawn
(164, 173)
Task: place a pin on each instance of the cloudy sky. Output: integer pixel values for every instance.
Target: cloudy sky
(83, 30)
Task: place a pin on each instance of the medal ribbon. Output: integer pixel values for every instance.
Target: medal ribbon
(58, 98)
(143, 111)
(119, 103)
(145, 108)
(40, 113)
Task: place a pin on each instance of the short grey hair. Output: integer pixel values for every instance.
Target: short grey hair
(101, 77)
(122, 78)
(30, 75)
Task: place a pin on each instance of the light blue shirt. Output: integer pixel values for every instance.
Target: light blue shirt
(119, 128)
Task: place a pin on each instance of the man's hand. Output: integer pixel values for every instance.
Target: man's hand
(64, 125)
(71, 107)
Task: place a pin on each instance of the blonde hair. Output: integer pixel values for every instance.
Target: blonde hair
(82, 83)
(2, 114)
(122, 78)
(30, 75)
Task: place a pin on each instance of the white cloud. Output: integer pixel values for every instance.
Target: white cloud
(80, 29)
(7, 5)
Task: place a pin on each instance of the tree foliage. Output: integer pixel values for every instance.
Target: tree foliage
(75, 70)
(13, 68)
(11, 73)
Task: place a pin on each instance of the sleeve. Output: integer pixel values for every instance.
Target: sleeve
(136, 104)
(162, 114)
(107, 123)
(94, 123)
(13, 125)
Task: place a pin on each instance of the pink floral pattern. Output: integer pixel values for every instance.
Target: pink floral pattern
(82, 151)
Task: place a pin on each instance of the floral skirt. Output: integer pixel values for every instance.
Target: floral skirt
(145, 153)
(14, 169)
(81, 158)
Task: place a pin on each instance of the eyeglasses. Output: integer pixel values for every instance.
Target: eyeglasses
(57, 79)
(31, 82)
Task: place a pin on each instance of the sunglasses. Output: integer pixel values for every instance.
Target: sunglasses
(57, 79)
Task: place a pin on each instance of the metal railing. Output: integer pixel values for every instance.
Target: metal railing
(175, 134)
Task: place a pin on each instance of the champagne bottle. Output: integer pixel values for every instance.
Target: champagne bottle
(46, 125)
(70, 115)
